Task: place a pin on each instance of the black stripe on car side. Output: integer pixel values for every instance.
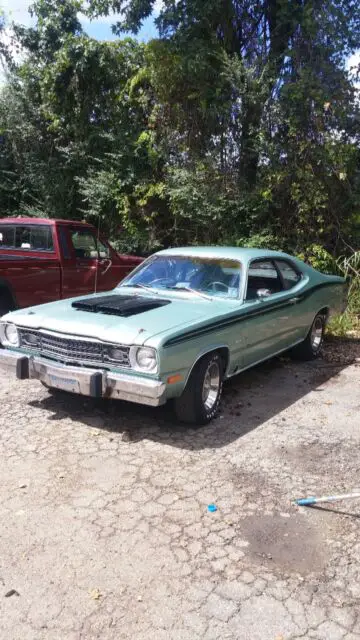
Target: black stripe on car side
(227, 322)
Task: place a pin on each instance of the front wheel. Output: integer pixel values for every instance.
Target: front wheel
(310, 348)
(200, 400)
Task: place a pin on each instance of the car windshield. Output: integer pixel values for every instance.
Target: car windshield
(215, 277)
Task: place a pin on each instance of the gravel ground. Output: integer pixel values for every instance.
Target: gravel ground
(104, 526)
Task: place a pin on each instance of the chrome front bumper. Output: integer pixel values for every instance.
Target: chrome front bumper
(96, 383)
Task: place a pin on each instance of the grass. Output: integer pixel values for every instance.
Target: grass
(345, 325)
(348, 324)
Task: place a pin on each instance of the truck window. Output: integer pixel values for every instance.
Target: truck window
(85, 245)
(104, 252)
(26, 237)
(7, 237)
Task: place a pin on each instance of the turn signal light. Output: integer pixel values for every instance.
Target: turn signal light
(173, 379)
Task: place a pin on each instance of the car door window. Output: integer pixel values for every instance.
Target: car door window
(289, 275)
(262, 275)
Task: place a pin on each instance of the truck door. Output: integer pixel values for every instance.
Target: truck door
(89, 264)
(112, 267)
(79, 260)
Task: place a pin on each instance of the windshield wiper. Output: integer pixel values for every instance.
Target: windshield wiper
(198, 293)
(141, 286)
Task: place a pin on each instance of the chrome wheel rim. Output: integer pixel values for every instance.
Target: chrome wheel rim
(317, 334)
(211, 386)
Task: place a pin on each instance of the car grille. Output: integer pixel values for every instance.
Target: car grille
(77, 351)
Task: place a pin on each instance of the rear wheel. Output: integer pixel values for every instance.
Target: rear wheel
(310, 348)
(200, 400)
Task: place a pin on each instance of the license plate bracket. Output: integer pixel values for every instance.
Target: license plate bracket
(62, 382)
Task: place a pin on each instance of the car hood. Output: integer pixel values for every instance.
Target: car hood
(138, 327)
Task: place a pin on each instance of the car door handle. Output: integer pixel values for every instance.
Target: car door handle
(294, 300)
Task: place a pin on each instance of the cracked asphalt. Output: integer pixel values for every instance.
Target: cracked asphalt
(104, 527)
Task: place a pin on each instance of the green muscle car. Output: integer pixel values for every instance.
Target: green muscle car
(181, 323)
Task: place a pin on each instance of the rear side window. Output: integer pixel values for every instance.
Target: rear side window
(26, 237)
(7, 237)
(289, 275)
(262, 275)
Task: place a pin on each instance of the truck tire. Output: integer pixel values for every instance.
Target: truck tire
(200, 399)
(310, 348)
(6, 302)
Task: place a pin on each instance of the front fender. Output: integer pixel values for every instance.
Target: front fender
(181, 365)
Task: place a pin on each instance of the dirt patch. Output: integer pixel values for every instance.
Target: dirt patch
(292, 544)
(341, 350)
(341, 458)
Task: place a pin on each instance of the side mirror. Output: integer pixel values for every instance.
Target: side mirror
(263, 293)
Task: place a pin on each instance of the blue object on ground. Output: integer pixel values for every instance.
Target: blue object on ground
(212, 508)
(305, 501)
(312, 500)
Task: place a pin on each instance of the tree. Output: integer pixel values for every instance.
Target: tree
(69, 121)
(238, 124)
(266, 41)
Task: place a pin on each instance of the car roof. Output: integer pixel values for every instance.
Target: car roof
(242, 254)
(43, 221)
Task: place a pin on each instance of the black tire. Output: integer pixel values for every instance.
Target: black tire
(310, 348)
(6, 302)
(192, 407)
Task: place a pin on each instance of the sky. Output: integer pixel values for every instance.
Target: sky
(17, 11)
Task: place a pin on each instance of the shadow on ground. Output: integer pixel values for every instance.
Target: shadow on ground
(249, 400)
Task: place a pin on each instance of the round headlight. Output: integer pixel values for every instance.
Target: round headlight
(12, 335)
(146, 359)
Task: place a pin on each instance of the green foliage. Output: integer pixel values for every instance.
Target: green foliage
(321, 259)
(349, 322)
(237, 125)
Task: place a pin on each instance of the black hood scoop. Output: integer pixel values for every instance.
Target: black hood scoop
(119, 305)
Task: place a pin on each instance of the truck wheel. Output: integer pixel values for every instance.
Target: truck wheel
(201, 397)
(310, 348)
(6, 302)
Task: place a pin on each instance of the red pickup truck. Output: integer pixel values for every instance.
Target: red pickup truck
(43, 260)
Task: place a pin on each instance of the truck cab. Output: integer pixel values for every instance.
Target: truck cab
(42, 260)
